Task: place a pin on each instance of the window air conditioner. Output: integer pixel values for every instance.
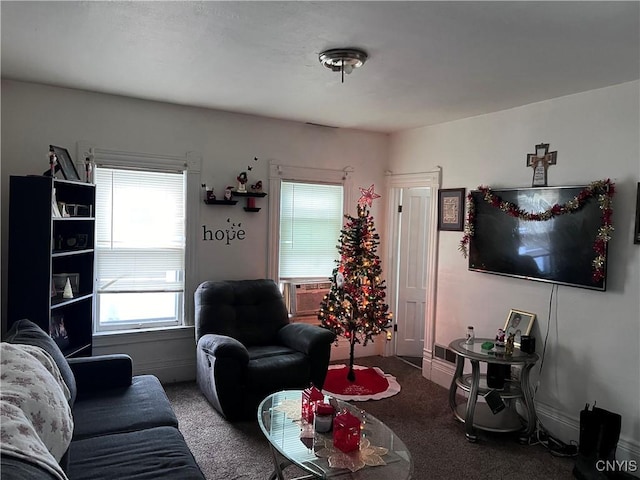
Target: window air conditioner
(305, 298)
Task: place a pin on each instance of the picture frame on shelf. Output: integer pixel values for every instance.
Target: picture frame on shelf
(519, 323)
(78, 210)
(67, 167)
(451, 209)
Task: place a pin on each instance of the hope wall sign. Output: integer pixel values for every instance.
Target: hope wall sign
(231, 233)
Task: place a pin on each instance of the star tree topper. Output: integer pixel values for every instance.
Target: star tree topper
(367, 195)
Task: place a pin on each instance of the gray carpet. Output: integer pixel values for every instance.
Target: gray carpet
(419, 414)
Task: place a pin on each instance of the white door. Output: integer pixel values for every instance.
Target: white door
(412, 270)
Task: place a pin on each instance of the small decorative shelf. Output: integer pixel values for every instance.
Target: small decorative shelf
(220, 202)
(251, 199)
(249, 194)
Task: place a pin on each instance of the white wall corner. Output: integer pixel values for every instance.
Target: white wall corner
(441, 372)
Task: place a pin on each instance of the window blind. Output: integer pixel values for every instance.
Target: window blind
(140, 225)
(311, 217)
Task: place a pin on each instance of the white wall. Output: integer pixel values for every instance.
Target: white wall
(34, 116)
(593, 349)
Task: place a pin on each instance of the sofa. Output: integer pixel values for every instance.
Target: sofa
(248, 349)
(121, 426)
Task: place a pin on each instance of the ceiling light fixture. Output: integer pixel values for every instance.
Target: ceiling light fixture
(343, 60)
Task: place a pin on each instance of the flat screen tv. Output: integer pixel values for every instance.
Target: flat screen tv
(559, 250)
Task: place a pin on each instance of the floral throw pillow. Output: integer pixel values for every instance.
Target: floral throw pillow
(36, 422)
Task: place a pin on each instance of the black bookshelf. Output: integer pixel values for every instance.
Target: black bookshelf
(46, 250)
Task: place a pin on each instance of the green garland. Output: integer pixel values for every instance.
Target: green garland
(603, 190)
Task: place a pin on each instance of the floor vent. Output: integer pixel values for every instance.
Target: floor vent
(445, 354)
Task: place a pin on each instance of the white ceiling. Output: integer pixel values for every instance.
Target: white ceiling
(430, 62)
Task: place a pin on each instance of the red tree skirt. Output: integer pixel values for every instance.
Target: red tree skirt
(371, 383)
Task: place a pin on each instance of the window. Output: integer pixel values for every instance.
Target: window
(306, 214)
(140, 248)
(311, 218)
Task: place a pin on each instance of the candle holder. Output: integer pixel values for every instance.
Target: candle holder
(346, 432)
(323, 419)
(310, 396)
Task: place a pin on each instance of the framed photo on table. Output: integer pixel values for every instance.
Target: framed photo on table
(519, 323)
(451, 209)
(67, 167)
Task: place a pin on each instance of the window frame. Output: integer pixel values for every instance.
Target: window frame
(191, 164)
(279, 173)
(177, 318)
(308, 220)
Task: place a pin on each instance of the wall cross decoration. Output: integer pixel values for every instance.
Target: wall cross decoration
(540, 162)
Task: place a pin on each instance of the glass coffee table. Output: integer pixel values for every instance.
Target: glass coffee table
(279, 419)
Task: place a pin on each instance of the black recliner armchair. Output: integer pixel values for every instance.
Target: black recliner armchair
(247, 349)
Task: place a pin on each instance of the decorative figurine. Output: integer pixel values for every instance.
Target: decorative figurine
(509, 346)
(500, 338)
(68, 292)
(242, 181)
(54, 166)
(228, 191)
(88, 170)
(257, 187)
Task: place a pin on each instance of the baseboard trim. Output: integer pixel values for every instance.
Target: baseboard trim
(567, 429)
(170, 371)
(557, 423)
(438, 371)
(137, 337)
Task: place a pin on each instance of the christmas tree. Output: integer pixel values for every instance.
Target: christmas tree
(354, 308)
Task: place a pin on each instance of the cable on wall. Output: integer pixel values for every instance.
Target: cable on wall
(554, 290)
(542, 436)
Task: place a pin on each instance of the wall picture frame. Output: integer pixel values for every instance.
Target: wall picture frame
(451, 208)
(519, 323)
(67, 167)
